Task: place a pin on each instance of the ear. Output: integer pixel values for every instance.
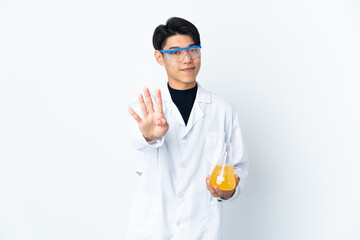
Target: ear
(159, 57)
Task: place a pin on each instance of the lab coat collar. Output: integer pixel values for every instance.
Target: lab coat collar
(201, 96)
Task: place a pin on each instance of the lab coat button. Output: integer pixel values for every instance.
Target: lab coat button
(182, 165)
(178, 222)
(180, 195)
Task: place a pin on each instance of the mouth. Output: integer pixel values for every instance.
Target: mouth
(188, 69)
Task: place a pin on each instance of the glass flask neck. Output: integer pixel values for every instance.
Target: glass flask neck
(227, 154)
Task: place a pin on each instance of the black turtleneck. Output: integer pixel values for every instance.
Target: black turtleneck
(184, 100)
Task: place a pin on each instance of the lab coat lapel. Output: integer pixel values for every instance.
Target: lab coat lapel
(176, 114)
(202, 96)
(195, 116)
(171, 107)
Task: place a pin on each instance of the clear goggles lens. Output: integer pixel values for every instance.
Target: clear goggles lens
(178, 55)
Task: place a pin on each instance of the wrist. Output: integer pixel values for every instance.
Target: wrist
(148, 139)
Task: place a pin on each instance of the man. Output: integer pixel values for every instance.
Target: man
(180, 137)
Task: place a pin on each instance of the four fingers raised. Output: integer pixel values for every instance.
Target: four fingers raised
(147, 107)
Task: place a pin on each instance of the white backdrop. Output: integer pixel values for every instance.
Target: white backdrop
(68, 70)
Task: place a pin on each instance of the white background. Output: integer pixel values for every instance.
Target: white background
(68, 70)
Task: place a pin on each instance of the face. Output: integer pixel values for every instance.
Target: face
(181, 75)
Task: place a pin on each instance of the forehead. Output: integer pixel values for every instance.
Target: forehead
(178, 41)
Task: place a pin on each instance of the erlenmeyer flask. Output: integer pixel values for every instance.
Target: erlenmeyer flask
(223, 174)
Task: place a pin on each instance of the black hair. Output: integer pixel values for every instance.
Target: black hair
(174, 26)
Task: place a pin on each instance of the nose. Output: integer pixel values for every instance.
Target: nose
(187, 58)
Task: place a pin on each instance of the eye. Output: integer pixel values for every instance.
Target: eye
(194, 50)
(175, 53)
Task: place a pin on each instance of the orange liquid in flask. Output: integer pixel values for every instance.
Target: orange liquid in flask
(223, 176)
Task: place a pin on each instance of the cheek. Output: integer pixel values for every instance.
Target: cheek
(171, 69)
(198, 65)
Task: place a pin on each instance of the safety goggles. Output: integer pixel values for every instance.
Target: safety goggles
(178, 54)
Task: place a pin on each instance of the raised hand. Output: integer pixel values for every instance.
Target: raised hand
(153, 124)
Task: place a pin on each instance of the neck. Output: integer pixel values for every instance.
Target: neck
(181, 85)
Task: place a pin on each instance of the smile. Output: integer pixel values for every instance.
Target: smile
(187, 69)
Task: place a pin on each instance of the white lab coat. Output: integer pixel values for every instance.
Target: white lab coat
(172, 201)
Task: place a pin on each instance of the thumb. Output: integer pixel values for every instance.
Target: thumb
(237, 179)
(161, 121)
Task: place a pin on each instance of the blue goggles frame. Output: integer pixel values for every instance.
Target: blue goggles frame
(178, 49)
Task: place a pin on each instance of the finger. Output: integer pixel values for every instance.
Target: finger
(210, 188)
(142, 105)
(134, 115)
(161, 122)
(208, 185)
(159, 108)
(148, 99)
(218, 191)
(237, 179)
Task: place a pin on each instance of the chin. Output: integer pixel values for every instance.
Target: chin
(189, 79)
(192, 81)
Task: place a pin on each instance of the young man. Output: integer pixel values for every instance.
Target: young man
(180, 137)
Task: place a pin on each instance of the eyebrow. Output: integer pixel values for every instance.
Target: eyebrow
(175, 47)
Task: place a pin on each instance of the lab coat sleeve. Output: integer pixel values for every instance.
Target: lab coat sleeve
(135, 136)
(240, 160)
